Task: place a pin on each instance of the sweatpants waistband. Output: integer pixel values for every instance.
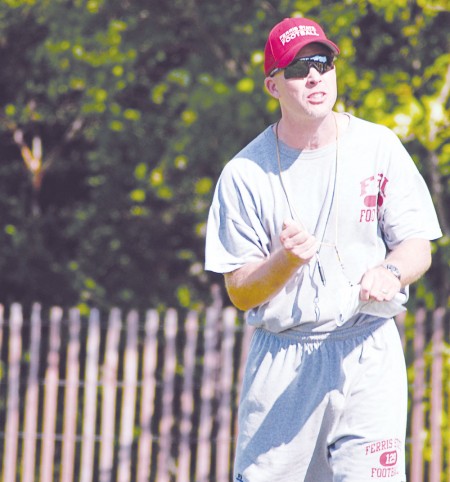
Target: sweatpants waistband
(339, 334)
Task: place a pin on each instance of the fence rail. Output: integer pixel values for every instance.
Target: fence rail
(154, 399)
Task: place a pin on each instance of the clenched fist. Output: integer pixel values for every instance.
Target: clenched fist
(297, 242)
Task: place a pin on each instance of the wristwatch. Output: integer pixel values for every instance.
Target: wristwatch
(394, 270)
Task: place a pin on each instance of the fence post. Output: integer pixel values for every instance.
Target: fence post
(148, 395)
(13, 401)
(225, 387)
(128, 399)
(51, 396)
(109, 379)
(417, 411)
(167, 418)
(71, 397)
(187, 397)
(32, 398)
(436, 395)
(213, 314)
(90, 397)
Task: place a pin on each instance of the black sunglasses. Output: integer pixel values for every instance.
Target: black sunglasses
(299, 68)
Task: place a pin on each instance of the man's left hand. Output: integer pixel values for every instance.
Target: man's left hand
(379, 284)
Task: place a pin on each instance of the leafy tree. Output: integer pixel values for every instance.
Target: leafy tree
(117, 117)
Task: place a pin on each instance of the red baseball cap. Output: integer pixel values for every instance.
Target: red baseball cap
(288, 37)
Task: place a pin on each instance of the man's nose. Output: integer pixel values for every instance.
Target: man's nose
(313, 75)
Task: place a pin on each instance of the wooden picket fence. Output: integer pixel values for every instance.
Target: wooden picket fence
(155, 398)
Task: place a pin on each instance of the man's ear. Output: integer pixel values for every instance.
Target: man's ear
(271, 87)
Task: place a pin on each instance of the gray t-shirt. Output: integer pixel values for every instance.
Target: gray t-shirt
(377, 200)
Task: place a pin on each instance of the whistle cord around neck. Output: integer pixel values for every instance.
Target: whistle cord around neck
(334, 195)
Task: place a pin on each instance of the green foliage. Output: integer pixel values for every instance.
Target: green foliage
(129, 110)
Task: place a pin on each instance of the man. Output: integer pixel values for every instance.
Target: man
(319, 225)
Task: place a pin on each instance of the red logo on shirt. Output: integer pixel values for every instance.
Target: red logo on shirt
(387, 459)
(384, 455)
(373, 193)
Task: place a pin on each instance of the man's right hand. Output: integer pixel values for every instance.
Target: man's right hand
(297, 242)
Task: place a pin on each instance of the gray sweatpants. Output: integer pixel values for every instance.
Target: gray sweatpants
(324, 407)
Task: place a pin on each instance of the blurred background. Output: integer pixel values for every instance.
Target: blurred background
(117, 117)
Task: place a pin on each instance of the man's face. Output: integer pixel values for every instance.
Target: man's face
(311, 97)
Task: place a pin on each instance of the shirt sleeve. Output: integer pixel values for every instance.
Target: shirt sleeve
(408, 210)
(235, 234)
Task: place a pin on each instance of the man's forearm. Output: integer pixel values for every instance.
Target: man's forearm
(255, 283)
(412, 257)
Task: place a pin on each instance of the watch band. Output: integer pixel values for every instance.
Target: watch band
(394, 270)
